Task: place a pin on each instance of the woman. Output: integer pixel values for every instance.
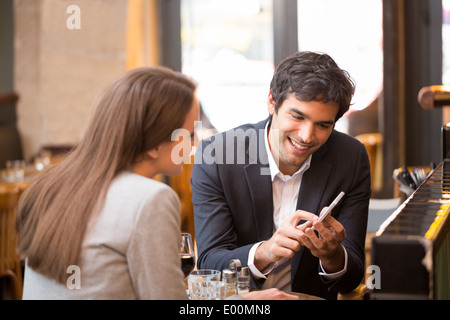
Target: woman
(98, 213)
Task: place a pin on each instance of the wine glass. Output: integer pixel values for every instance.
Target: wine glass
(187, 254)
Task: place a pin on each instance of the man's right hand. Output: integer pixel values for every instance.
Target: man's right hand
(285, 241)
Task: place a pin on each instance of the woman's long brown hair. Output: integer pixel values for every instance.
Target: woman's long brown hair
(136, 114)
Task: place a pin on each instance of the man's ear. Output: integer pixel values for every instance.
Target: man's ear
(270, 104)
(153, 153)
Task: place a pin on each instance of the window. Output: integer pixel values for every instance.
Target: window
(227, 48)
(351, 32)
(446, 41)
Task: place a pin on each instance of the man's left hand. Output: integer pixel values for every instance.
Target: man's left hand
(326, 245)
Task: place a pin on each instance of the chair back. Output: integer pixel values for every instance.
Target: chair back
(374, 145)
(10, 265)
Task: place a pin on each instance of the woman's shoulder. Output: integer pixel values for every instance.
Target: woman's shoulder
(137, 191)
(139, 195)
(131, 182)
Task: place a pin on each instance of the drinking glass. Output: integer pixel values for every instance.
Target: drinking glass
(15, 170)
(205, 284)
(207, 290)
(187, 254)
(43, 160)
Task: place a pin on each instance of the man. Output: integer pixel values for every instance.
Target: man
(257, 189)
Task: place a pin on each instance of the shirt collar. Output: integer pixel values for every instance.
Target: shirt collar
(274, 170)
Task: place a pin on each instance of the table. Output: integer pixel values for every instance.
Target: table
(30, 173)
(304, 296)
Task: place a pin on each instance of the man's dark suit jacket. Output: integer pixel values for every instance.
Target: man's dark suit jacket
(233, 204)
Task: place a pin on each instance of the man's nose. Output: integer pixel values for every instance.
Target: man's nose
(306, 132)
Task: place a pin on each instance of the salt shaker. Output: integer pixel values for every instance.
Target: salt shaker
(230, 279)
(243, 281)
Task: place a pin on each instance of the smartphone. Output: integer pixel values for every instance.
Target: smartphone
(331, 207)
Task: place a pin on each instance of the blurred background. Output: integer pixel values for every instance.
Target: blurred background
(57, 56)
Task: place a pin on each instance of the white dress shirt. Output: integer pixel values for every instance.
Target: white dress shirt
(285, 191)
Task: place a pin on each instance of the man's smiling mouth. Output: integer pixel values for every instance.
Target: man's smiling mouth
(298, 145)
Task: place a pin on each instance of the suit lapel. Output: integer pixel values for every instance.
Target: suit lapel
(260, 187)
(259, 183)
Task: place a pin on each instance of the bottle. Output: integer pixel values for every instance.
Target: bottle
(230, 279)
(243, 281)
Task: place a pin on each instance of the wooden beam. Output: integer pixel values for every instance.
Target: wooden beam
(391, 116)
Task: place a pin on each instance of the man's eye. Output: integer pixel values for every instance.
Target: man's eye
(325, 126)
(297, 117)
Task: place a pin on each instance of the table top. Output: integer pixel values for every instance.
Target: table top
(30, 172)
(304, 296)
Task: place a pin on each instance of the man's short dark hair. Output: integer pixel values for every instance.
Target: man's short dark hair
(312, 76)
